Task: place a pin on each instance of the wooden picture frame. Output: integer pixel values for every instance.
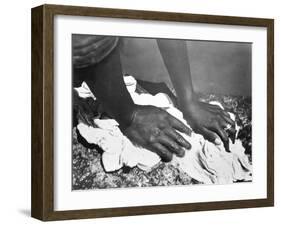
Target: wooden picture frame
(42, 203)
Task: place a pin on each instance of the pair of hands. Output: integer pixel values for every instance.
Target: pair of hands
(156, 130)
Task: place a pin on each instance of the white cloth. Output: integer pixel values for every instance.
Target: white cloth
(205, 162)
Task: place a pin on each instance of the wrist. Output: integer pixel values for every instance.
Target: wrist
(126, 116)
(187, 101)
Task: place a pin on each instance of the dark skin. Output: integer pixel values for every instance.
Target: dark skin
(204, 118)
(156, 130)
(149, 126)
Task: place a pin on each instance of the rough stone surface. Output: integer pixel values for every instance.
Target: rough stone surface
(88, 172)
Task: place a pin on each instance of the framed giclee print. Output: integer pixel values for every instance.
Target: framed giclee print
(141, 112)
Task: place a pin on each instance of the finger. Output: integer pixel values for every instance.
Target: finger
(231, 134)
(172, 145)
(216, 109)
(163, 152)
(178, 125)
(178, 138)
(226, 145)
(220, 131)
(222, 122)
(223, 135)
(228, 120)
(225, 114)
(211, 106)
(225, 124)
(229, 131)
(210, 136)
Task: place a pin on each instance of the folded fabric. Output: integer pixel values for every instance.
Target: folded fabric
(206, 162)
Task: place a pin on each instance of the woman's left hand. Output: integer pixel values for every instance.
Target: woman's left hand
(209, 121)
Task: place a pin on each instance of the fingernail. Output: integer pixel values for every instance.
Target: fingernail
(217, 141)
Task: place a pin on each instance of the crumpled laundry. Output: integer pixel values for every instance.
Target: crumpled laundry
(205, 162)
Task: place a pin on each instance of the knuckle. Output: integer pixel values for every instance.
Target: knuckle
(182, 141)
(162, 124)
(179, 138)
(223, 123)
(155, 134)
(174, 145)
(151, 139)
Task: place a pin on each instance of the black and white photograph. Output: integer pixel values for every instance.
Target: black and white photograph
(160, 112)
(147, 112)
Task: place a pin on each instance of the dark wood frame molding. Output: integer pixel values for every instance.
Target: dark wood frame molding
(42, 203)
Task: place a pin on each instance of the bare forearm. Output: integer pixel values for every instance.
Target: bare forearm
(203, 118)
(175, 57)
(106, 82)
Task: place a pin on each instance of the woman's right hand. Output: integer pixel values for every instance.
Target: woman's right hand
(156, 130)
